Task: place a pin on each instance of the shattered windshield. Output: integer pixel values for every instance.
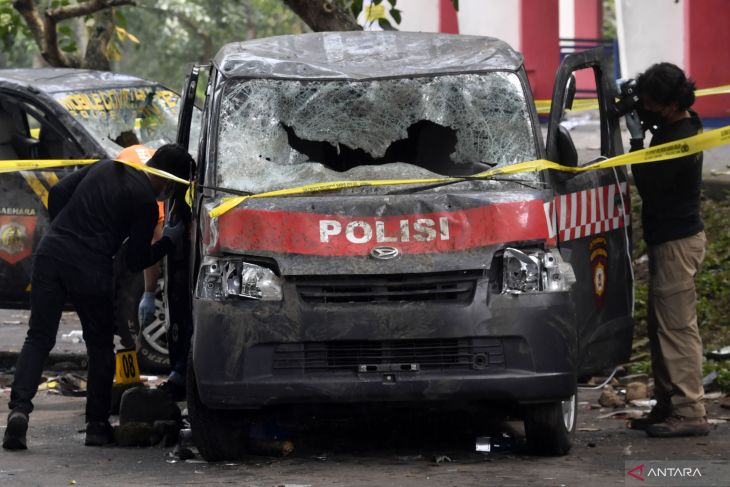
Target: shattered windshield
(275, 134)
(121, 117)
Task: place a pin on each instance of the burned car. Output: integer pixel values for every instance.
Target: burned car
(56, 113)
(448, 288)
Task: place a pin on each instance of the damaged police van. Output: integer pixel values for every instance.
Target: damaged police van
(455, 290)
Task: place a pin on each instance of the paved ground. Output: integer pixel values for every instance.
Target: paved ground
(363, 451)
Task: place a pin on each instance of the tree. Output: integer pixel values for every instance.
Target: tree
(55, 39)
(325, 15)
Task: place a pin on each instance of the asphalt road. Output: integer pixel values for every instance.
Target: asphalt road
(367, 450)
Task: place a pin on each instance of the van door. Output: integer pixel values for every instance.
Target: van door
(591, 210)
(28, 131)
(177, 263)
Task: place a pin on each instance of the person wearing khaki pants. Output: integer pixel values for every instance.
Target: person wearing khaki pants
(676, 346)
(673, 231)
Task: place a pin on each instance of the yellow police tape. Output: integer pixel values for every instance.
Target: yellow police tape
(670, 150)
(543, 106)
(38, 164)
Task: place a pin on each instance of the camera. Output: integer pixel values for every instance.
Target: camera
(628, 97)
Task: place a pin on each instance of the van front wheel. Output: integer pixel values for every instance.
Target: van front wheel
(217, 434)
(550, 427)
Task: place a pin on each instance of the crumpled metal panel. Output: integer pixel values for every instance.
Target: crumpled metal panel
(52, 80)
(365, 55)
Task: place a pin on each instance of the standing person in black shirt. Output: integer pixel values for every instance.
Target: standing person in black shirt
(673, 231)
(92, 212)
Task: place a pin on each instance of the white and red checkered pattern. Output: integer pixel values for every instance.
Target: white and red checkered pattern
(585, 213)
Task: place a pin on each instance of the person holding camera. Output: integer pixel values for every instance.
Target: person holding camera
(673, 231)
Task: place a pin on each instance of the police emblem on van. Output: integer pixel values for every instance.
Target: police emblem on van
(384, 253)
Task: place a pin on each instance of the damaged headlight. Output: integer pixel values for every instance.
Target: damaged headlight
(221, 278)
(535, 271)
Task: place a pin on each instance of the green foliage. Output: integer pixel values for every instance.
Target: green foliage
(15, 37)
(609, 19)
(174, 33)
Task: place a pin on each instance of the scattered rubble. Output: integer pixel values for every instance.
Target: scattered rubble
(610, 398)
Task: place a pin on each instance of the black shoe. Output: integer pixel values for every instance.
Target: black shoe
(175, 390)
(655, 416)
(14, 438)
(99, 433)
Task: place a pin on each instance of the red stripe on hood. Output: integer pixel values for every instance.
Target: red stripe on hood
(338, 235)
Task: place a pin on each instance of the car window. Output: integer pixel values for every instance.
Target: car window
(126, 116)
(27, 132)
(277, 133)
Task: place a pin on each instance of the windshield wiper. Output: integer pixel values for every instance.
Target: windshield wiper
(417, 189)
(237, 192)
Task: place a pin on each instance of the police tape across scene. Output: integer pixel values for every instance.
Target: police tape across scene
(670, 150)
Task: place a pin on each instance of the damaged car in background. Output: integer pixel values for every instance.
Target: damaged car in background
(54, 113)
(454, 289)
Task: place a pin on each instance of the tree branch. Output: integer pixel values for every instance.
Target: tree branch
(322, 15)
(27, 10)
(85, 8)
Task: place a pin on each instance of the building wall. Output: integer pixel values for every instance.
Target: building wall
(419, 15)
(649, 31)
(707, 52)
(495, 18)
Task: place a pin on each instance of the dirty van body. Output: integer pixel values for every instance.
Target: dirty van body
(441, 292)
(60, 113)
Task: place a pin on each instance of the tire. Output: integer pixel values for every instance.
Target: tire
(550, 427)
(217, 434)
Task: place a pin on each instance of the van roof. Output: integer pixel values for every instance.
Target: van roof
(362, 55)
(53, 80)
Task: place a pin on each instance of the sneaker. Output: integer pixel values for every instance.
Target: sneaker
(175, 390)
(656, 415)
(14, 438)
(676, 426)
(99, 433)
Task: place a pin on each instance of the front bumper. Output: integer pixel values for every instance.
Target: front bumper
(251, 354)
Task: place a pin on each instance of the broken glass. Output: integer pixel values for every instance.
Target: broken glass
(125, 116)
(282, 133)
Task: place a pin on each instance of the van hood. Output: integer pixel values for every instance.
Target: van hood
(415, 233)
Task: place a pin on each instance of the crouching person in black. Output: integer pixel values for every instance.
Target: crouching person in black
(92, 212)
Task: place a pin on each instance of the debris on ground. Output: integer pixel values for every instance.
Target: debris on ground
(628, 379)
(719, 354)
(65, 385)
(589, 430)
(495, 443)
(623, 414)
(636, 391)
(438, 459)
(148, 417)
(74, 336)
(610, 398)
(709, 379)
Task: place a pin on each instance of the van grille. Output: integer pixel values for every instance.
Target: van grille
(444, 286)
(399, 355)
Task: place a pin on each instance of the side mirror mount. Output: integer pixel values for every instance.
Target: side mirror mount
(570, 89)
(567, 153)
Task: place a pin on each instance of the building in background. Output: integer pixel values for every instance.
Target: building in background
(693, 34)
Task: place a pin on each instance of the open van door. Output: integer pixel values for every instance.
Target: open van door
(176, 265)
(591, 212)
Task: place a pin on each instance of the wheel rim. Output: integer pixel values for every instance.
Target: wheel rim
(568, 412)
(155, 334)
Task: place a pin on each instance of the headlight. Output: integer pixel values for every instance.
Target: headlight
(221, 278)
(534, 271)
